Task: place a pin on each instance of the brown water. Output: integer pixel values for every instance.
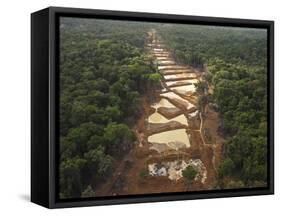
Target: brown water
(187, 89)
(182, 82)
(166, 62)
(180, 76)
(158, 118)
(170, 67)
(171, 138)
(173, 96)
(178, 138)
(163, 103)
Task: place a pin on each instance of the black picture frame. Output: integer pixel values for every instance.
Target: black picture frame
(45, 98)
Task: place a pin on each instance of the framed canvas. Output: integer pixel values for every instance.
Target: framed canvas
(139, 107)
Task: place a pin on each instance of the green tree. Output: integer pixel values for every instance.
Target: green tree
(201, 87)
(88, 192)
(118, 138)
(226, 168)
(70, 179)
(154, 78)
(98, 162)
(189, 173)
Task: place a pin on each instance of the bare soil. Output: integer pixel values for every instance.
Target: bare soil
(131, 173)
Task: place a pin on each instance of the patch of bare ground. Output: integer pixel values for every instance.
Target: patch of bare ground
(131, 174)
(211, 124)
(137, 181)
(194, 123)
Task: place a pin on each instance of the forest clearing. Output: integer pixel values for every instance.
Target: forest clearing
(178, 142)
(158, 108)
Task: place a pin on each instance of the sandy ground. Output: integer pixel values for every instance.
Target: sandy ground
(127, 177)
(131, 173)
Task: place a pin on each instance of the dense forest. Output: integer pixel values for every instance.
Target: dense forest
(104, 71)
(234, 61)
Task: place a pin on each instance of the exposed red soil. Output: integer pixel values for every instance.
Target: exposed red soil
(131, 173)
(127, 177)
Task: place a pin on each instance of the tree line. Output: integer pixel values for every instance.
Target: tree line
(104, 71)
(234, 61)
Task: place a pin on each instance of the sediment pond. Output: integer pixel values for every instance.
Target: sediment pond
(174, 138)
(178, 81)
